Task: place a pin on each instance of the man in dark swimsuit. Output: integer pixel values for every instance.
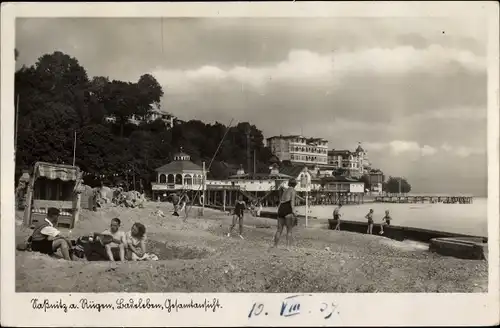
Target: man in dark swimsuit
(239, 209)
(286, 213)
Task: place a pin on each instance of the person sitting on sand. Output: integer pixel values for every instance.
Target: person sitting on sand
(336, 216)
(118, 241)
(239, 209)
(369, 217)
(46, 239)
(136, 242)
(286, 213)
(386, 221)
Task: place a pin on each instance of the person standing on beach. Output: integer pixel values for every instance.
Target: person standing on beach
(239, 210)
(386, 221)
(369, 217)
(175, 201)
(184, 205)
(336, 216)
(286, 213)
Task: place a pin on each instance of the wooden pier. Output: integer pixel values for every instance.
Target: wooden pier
(425, 199)
(225, 197)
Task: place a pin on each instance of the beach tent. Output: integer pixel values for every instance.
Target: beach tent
(53, 185)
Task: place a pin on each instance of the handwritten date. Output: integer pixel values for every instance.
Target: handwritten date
(291, 306)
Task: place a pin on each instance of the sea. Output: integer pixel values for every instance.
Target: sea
(468, 219)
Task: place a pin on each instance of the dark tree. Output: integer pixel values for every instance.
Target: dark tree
(57, 98)
(395, 185)
(366, 179)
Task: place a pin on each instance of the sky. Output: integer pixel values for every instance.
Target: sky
(413, 91)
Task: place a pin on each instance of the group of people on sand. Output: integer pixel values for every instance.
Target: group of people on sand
(180, 202)
(120, 245)
(287, 216)
(112, 244)
(386, 220)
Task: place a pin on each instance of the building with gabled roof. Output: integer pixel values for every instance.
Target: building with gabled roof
(356, 162)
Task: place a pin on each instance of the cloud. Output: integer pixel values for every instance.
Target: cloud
(305, 66)
(402, 147)
(463, 151)
(427, 150)
(459, 113)
(398, 147)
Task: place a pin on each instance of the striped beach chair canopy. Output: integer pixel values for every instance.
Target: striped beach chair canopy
(57, 171)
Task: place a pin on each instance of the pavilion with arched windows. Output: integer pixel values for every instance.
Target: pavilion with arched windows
(180, 174)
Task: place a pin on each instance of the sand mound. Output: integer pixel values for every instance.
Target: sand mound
(406, 245)
(170, 252)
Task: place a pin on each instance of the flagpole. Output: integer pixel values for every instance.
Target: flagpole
(74, 150)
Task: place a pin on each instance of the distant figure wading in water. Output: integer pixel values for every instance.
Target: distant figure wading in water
(286, 213)
(369, 217)
(238, 214)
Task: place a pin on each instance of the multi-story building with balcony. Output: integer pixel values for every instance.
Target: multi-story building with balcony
(299, 150)
(355, 163)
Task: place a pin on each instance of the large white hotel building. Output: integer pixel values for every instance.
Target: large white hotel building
(314, 152)
(299, 149)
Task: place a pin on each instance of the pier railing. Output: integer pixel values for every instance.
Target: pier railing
(407, 199)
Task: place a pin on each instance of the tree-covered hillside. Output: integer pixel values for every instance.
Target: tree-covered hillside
(57, 97)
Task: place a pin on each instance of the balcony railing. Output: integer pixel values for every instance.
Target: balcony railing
(174, 186)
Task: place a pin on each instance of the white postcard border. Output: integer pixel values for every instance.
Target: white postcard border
(353, 309)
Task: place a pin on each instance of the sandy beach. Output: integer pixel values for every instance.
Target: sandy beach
(197, 257)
